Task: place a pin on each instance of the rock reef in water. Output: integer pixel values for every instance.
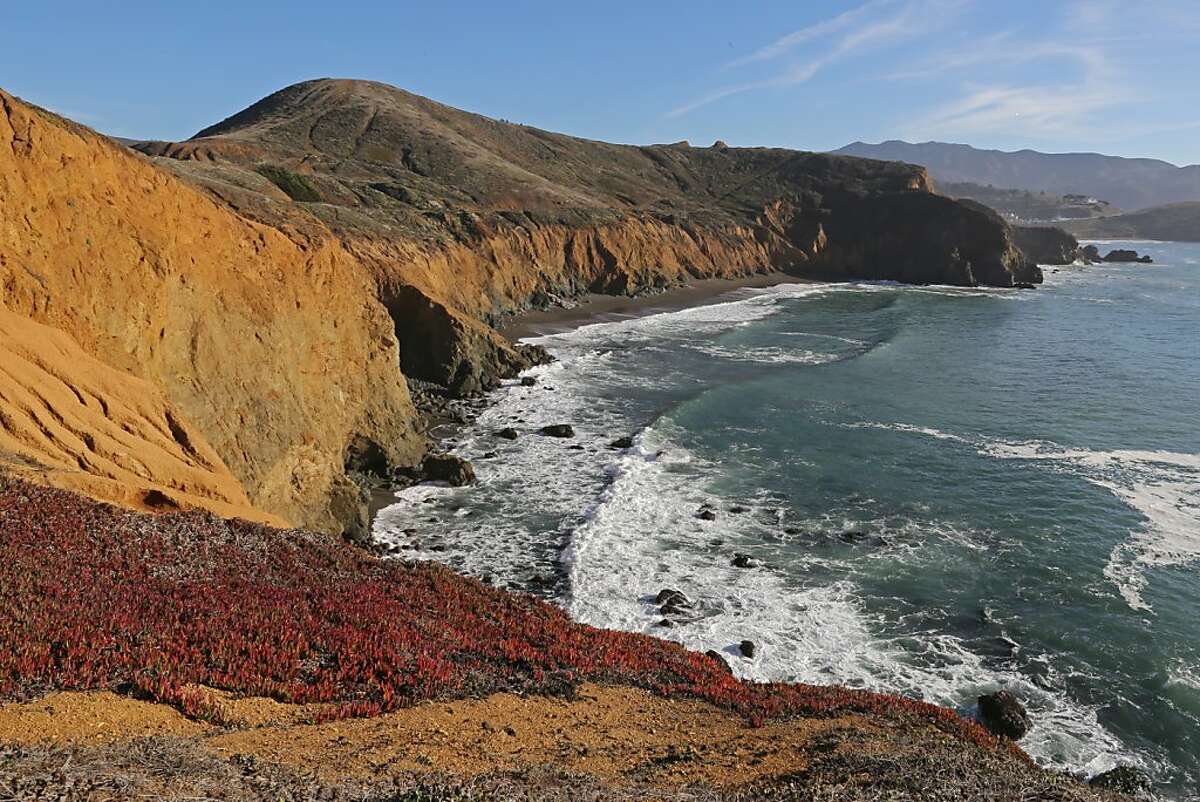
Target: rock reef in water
(1126, 256)
(280, 276)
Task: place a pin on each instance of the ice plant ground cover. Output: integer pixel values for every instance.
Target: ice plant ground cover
(160, 606)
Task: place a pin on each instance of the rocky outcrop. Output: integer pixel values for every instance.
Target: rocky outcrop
(275, 349)
(1047, 245)
(1003, 714)
(1126, 256)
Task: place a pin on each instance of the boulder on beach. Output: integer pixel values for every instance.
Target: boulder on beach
(1003, 714)
(558, 430)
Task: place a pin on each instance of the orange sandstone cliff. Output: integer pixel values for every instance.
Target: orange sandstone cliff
(275, 350)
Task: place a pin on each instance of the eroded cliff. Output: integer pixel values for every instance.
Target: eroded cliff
(276, 349)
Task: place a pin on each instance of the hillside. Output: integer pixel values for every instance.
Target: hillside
(281, 277)
(1019, 205)
(1179, 222)
(1129, 184)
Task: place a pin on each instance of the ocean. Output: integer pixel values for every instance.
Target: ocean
(938, 491)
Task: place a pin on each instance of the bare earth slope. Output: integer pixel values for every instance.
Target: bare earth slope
(276, 350)
(69, 420)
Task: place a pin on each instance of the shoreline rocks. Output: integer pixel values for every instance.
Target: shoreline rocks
(454, 470)
(1004, 715)
(558, 430)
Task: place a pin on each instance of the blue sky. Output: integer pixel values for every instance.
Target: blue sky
(1115, 76)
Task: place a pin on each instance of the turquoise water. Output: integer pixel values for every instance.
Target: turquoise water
(943, 492)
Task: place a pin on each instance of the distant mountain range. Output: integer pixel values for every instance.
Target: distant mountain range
(1129, 184)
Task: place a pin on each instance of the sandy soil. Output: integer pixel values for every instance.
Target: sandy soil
(603, 308)
(609, 743)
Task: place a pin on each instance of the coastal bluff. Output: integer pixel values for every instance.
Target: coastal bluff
(281, 276)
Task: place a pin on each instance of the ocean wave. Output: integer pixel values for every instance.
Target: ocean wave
(1163, 486)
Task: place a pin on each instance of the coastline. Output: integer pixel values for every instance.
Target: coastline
(595, 308)
(588, 309)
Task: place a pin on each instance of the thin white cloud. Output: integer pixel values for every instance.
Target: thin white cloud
(1038, 111)
(785, 44)
(858, 29)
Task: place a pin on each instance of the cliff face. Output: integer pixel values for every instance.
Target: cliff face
(278, 275)
(275, 349)
(458, 215)
(71, 421)
(1048, 245)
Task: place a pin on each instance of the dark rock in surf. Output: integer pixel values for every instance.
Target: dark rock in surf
(558, 430)
(742, 561)
(715, 655)
(1090, 255)
(528, 381)
(1123, 780)
(747, 648)
(706, 514)
(621, 443)
(738, 509)
(508, 433)
(1025, 285)
(448, 468)
(1003, 714)
(541, 582)
(670, 594)
(1122, 256)
(673, 602)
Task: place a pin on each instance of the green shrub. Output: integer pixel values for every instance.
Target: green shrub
(295, 186)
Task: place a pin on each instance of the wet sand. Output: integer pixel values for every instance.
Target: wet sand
(593, 308)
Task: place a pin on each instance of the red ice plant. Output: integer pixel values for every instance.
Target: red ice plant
(96, 597)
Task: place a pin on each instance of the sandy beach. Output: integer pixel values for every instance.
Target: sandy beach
(593, 308)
